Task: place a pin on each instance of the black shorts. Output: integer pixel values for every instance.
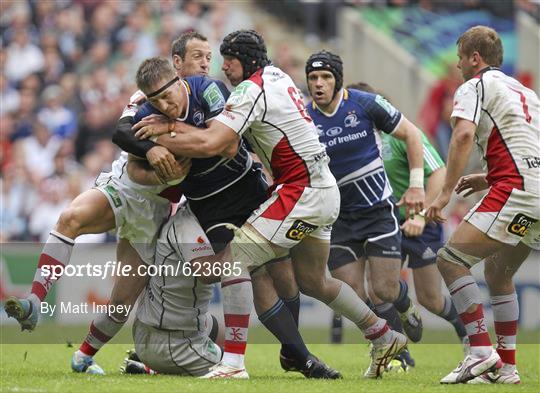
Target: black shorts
(422, 250)
(231, 206)
(373, 231)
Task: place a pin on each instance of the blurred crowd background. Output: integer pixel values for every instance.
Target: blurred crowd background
(68, 69)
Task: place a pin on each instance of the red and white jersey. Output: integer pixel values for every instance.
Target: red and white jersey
(508, 134)
(268, 109)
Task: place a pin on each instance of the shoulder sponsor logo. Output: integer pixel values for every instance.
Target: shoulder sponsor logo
(385, 105)
(299, 230)
(334, 131)
(206, 247)
(228, 114)
(520, 224)
(351, 120)
(213, 96)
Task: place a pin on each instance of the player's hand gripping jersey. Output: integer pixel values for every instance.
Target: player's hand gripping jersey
(268, 110)
(354, 145)
(507, 116)
(207, 176)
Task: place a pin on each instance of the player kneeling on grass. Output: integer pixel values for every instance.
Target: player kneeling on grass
(173, 331)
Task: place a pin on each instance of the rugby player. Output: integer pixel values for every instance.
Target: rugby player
(267, 108)
(502, 117)
(367, 229)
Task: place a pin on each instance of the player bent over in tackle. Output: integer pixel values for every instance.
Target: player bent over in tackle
(173, 331)
(503, 118)
(267, 108)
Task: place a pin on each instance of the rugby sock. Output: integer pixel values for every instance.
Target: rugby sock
(379, 332)
(102, 329)
(506, 315)
(237, 300)
(450, 313)
(348, 304)
(55, 255)
(280, 322)
(465, 293)
(403, 302)
(388, 312)
(293, 304)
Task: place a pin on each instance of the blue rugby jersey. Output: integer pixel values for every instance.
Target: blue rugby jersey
(207, 176)
(353, 143)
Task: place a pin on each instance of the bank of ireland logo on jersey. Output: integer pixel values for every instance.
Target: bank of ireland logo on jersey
(521, 224)
(299, 230)
(334, 131)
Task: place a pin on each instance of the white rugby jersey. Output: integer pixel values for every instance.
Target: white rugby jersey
(268, 109)
(158, 193)
(508, 134)
(177, 301)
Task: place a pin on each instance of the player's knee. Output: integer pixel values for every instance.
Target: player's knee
(386, 289)
(69, 223)
(449, 255)
(432, 301)
(311, 285)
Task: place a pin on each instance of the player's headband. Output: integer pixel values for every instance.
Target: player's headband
(163, 88)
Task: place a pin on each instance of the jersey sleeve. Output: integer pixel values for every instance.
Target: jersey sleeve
(244, 106)
(467, 102)
(383, 114)
(123, 136)
(432, 159)
(213, 99)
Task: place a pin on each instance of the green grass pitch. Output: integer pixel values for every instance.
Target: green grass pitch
(30, 367)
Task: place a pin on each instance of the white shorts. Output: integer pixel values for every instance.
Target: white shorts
(508, 215)
(138, 215)
(293, 212)
(179, 352)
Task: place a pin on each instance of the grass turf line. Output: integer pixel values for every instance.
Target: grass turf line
(45, 368)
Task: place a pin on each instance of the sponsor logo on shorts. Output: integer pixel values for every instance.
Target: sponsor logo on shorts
(113, 193)
(520, 224)
(428, 254)
(299, 230)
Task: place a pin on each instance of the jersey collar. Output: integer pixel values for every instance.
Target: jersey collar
(343, 95)
(488, 68)
(186, 87)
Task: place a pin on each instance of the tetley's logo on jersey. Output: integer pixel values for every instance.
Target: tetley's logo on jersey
(521, 224)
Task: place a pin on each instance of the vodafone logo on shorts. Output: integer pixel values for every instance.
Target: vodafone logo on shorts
(520, 225)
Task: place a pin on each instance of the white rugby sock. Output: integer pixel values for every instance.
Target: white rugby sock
(349, 304)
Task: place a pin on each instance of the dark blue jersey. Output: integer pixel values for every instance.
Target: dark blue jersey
(352, 140)
(207, 176)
